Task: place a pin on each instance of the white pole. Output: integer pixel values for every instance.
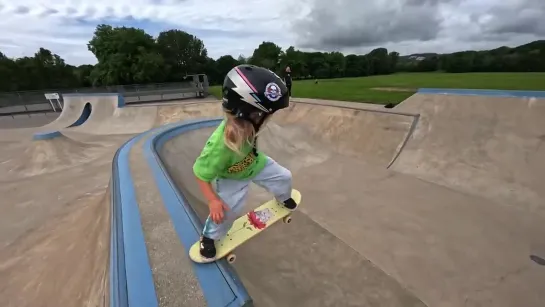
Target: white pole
(52, 105)
(59, 103)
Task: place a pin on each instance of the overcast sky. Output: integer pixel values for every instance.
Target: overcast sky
(238, 26)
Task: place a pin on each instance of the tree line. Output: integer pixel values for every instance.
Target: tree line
(128, 55)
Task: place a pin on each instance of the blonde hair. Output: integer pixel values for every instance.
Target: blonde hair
(238, 132)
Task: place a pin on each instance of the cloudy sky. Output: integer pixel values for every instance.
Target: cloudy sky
(238, 26)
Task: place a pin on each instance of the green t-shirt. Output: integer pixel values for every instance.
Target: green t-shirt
(219, 161)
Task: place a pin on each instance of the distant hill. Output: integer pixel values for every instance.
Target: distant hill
(417, 56)
(503, 50)
(523, 58)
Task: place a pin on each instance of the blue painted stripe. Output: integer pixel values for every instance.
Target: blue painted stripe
(481, 92)
(120, 101)
(230, 275)
(131, 277)
(219, 282)
(47, 135)
(118, 281)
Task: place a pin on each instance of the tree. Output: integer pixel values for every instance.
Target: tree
(183, 53)
(242, 60)
(336, 63)
(296, 60)
(393, 59)
(9, 74)
(225, 63)
(125, 56)
(129, 55)
(267, 55)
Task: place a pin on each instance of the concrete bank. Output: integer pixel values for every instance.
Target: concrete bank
(153, 227)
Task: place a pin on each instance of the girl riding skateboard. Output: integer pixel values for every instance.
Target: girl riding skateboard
(230, 158)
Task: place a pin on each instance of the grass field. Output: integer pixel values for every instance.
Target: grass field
(396, 88)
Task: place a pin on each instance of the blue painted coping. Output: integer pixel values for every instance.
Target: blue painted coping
(483, 92)
(47, 135)
(120, 98)
(220, 284)
(131, 279)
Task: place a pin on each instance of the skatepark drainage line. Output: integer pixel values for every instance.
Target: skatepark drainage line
(220, 284)
(537, 259)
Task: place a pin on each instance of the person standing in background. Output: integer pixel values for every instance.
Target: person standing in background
(287, 79)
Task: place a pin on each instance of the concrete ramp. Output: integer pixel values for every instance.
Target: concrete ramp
(103, 108)
(111, 116)
(76, 110)
(49, 155)
(307, 264)
(369, 235)
(488, 143)
(375, 135)
(106, 114)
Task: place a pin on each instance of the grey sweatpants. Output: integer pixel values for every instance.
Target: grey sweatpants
(274, 178)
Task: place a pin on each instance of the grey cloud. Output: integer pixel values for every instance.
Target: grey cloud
(349, 24)
(49, 12)
(21, 10)
(524, 17)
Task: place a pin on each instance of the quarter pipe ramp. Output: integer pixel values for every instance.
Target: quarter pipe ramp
(435, 221)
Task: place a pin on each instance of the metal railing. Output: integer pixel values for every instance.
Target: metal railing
(28, 102)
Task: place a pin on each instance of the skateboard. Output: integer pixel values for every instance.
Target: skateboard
(246, 227)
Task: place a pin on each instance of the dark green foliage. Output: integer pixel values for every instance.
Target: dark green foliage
(130, 56)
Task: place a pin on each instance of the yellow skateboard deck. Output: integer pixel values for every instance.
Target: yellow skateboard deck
(246, 227)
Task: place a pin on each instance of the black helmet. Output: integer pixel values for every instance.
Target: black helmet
(248, 88)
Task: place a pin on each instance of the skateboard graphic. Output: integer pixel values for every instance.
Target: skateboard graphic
(246, 227)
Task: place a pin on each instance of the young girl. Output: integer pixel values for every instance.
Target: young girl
(230, 157)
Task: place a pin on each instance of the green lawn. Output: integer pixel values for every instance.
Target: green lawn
(372, 89)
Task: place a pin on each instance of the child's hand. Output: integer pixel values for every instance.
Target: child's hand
(216, 210)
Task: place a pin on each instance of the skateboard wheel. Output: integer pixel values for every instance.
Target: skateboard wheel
(287, 219)
(231, 258)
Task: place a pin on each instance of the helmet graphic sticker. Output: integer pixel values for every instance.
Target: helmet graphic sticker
(273, 92)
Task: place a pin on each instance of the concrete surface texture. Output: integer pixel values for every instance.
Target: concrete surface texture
(455, 221)
(27, 120)
(433, 203)
(55, 208)
(489, 146)
(54, 229)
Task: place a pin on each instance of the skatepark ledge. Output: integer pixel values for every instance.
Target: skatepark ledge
(131, 277)
(131, 281)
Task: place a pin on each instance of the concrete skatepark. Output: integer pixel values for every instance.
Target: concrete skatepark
(435, 202)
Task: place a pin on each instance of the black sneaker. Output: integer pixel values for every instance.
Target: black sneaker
(208, 249)
(290, 204)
